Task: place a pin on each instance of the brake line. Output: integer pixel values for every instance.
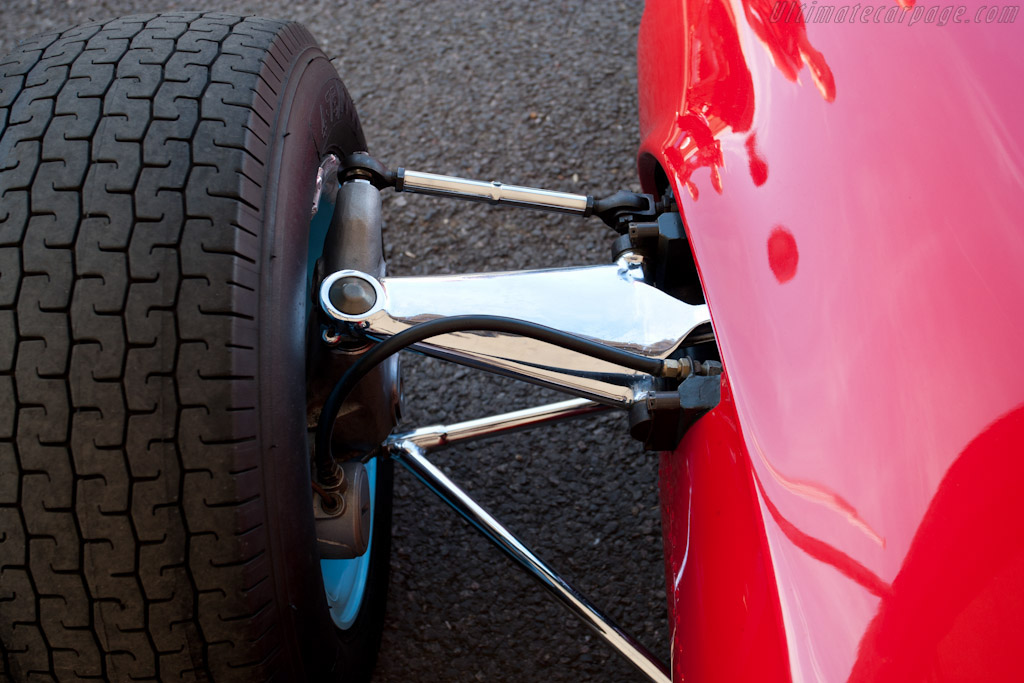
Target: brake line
(328, 473)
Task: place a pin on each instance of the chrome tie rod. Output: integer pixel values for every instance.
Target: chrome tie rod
(492, 192)
(616, 210)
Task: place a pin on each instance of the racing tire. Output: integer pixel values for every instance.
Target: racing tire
(156, 180)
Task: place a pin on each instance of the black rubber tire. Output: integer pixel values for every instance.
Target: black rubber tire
(156, 178)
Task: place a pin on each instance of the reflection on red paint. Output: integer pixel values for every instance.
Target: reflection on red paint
(964, 567)
(758, 166)
(695, 149)
(719, 90)
(817, 493)
(963, 570)
(720, 86)
(782, 254)
(785, 37)
(823, 552)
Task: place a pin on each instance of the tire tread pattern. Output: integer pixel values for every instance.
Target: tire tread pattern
(133, 158)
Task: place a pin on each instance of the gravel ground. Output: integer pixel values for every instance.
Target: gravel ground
(531, 93)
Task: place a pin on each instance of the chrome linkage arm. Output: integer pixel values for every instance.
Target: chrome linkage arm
(440, 436)
(492, 192)
(616, 210)
(412, 457)
(609, 304)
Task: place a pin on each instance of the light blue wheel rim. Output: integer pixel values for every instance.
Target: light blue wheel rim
(344, 580)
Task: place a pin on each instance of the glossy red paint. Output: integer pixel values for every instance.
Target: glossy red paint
(854, 194)
(717, 566)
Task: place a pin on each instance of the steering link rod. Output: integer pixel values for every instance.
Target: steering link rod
(492, 192)
(616, 210)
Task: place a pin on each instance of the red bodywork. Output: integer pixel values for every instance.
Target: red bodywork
(854, 196)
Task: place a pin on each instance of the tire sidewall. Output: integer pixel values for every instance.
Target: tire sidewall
(315, 116)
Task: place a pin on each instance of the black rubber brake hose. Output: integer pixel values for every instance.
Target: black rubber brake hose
(325, 465)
